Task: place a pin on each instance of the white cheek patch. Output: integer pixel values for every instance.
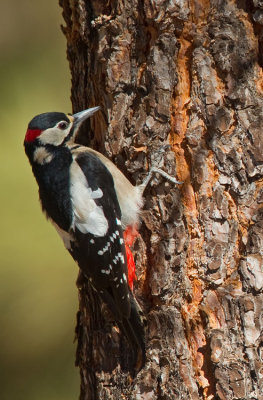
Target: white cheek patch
(88, 217)
(53, 136)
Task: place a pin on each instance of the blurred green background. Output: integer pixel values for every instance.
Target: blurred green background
(38, 296)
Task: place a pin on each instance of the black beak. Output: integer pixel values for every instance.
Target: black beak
(83, 115)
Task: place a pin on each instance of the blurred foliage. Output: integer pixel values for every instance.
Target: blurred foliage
(38, 296)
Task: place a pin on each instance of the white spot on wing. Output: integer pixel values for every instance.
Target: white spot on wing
(106, 248)
(105, 271)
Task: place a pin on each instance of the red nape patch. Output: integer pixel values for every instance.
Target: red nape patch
(32, 134)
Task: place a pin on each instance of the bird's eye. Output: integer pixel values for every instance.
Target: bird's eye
(62, 125)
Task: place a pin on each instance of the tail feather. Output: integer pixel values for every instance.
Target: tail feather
(132, 326)
(134, 329)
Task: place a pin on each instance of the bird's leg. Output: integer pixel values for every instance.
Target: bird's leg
(155, 170)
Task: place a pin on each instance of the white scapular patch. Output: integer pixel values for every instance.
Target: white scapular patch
(88, 217)
(65, 236)
(42, 155)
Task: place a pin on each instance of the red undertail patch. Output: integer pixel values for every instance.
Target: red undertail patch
(130, 235)
(131, 267)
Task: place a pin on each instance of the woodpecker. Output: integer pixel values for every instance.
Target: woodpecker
(90, 203)
(95, 210)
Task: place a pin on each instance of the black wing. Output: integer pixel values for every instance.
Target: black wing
(102, 257)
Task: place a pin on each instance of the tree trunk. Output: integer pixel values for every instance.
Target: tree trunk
(184, 74)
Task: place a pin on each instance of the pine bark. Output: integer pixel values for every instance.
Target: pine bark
(180, 87)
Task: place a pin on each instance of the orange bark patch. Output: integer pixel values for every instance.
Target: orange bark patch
(179, 124)
(180, 118)
(213, 174)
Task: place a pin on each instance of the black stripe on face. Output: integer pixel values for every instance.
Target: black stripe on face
(69, 135)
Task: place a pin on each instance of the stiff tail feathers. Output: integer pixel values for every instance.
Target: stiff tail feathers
(132, 326)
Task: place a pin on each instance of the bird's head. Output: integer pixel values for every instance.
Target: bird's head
(56, 128)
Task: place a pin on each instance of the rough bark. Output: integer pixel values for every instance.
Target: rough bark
(186, 74)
